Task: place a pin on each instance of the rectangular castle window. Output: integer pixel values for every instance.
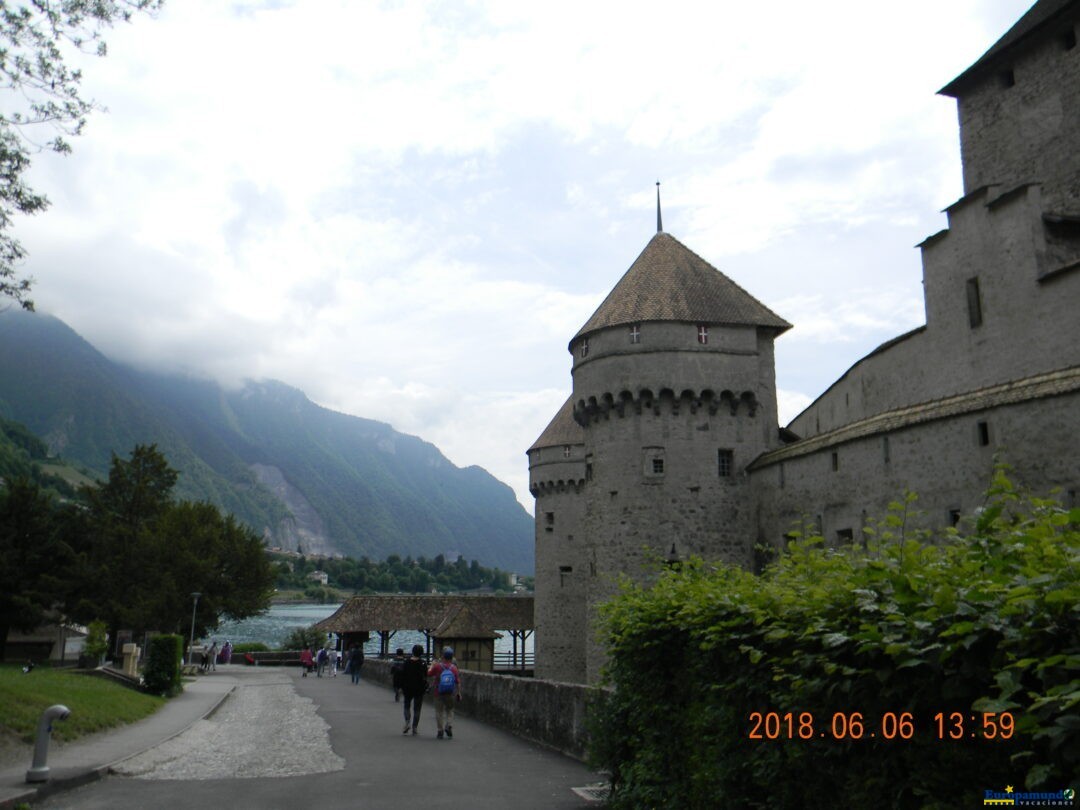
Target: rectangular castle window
(653, 461)
(635, 334)
(702, 334)
(885, 448)
(725, 462)
(844, 536)
(1007, 78)
(974, 303)
(835, 461)
(1068, 39)
(954, 517)
(584, 347)
(566, 451)
(564, 573)
(984, 433)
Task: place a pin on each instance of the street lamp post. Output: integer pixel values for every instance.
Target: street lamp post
(191, 642)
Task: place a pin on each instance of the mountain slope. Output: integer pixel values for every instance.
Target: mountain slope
(297, 472)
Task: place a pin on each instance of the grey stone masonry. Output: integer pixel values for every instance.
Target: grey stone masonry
(670, 442)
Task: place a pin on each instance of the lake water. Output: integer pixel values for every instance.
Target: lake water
(272, 627)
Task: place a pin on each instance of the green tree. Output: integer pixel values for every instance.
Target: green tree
(144, 554)
(43, 92)
(36, 560)
(120, 559)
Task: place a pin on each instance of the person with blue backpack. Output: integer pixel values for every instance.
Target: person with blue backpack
(446, 683)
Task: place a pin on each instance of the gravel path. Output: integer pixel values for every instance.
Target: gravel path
(264, 728)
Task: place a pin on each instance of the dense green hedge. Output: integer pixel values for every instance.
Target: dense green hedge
(162, 672)
(986, 620)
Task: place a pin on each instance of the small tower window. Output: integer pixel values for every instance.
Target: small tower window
(564, 573)
(1068, 39)
(885, 448)
(653, 461)
(954, 517)
(725, 462)
(974, 303)
(584, 347)
(1007, 78)
(566, 451)
(835, 461)
(984, 433)
(635, 333)
(702, 334)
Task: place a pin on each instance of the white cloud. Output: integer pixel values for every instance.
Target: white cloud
(408, 209)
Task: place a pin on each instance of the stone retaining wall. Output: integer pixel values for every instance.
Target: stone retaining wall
(545, 712)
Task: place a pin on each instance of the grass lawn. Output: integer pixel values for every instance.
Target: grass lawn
(95, 704)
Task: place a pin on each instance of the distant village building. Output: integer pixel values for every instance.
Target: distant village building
(669, 443)
(320, 577)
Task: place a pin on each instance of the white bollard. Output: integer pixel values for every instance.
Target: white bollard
(39, 770)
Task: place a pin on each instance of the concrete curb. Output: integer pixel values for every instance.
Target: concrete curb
(75, 780)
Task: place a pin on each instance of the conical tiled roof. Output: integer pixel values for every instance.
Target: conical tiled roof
(669, 282)
(563, 429)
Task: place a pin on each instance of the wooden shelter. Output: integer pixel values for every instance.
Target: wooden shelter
(472, 641)
(427, 613)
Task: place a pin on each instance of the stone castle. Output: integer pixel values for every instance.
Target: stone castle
(669, 444)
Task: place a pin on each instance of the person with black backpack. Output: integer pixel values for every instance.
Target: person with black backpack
(413, 685)
(446, 681)
(395, 672)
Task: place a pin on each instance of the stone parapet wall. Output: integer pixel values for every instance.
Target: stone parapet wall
(545, 712)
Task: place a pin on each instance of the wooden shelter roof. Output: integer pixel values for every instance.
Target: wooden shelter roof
(461, 622)
(426, 612)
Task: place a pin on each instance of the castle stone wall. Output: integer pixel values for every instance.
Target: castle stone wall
(944, 462)
(1027, 131)
(1028, 322)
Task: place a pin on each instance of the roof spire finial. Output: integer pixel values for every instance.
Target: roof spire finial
(659, 221)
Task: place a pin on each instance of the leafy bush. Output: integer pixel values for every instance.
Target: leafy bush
(301, 637)
(162, 673)
(97, 641)
(986, 622)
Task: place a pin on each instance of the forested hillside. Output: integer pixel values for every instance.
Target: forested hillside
(299, 474)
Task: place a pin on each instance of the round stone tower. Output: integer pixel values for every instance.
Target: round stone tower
(557, 480)
(674, 389)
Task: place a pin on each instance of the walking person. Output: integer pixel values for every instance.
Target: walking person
(356, 661)
(306, 660)
(446, 681)
(395, 672)
(320, 662)
(413, 686)
(211, 656)
(332, 661)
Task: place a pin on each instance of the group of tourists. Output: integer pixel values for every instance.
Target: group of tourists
(327, 660)
(213, 656)
(412, 678)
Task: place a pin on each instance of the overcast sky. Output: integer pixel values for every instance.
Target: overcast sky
(407, 209)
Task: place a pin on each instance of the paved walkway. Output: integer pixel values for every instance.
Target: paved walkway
(368, 763)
